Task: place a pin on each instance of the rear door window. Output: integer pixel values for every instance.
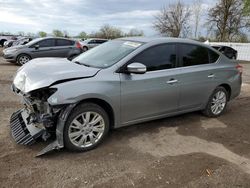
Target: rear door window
(158, 57)
(63, 42)
(92, 42)
(191, 55)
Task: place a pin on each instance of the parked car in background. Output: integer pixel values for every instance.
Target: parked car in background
(91, 43)
(22, 41)
(119, 83)
(227, 51)
(4, 38)
(43, 47)
(8, 43)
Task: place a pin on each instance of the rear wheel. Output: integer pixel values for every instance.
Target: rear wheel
(22, 59)
(86, 127)
(217, 102)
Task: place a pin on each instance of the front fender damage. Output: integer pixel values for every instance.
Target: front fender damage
(58, 143)
(25, 131)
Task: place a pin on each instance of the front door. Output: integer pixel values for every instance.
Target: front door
(155, 93)
(46, 48)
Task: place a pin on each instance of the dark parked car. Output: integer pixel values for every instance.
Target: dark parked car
(43, 47)
(227, 51)
(121, 82)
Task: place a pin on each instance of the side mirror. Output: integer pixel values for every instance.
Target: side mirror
(37, 46)
(136, 68)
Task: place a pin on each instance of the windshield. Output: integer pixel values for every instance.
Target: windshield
(107, 54)
(86, 41)
(34, 41)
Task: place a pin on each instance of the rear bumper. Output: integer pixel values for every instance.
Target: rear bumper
(22, 131)
(236, 87)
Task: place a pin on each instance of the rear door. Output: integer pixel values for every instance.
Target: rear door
(154, 93)
(63, 47)
(46, 48)
(197, 79)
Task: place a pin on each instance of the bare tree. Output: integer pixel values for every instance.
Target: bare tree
(134, 32)
(197, 8)
(42, 34)
(109, 32)
(57, 33)
(173, 20)
(227, 19)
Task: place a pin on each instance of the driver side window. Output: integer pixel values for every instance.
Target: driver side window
(159, 57)
(46, 43)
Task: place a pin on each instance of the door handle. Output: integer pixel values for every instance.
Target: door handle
(172, 81)
(211, 76)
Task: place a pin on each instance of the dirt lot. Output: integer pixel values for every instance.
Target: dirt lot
(185, 151)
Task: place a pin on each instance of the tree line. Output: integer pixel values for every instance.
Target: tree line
(106, 31)
(227, 20)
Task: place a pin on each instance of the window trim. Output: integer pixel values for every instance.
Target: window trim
(122, 69)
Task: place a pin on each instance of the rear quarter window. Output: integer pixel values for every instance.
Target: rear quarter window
(213, 56)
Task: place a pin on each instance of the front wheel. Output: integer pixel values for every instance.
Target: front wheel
(217, 102)
(86, 127)
(22, 59)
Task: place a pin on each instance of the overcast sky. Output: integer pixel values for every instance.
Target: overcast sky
(81, 15)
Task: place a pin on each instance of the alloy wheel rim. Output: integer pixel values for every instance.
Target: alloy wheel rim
(23, 59)
(86, 129)
(218, 102)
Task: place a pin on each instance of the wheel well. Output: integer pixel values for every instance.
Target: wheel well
(227, 88)
(106, 106)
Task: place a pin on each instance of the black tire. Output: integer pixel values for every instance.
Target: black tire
(84, 49)
(208, 110)
(2, 42)
(80, 109)
(20, 59)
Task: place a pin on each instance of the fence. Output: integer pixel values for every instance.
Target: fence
(242, 48)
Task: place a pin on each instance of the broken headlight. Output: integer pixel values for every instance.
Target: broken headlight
(42, 94)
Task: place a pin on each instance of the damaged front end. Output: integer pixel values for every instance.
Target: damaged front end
(38, 119)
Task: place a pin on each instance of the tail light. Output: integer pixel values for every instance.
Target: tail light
(239, 68)
(78, 45)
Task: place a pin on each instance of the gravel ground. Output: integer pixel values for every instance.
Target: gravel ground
(184, 151)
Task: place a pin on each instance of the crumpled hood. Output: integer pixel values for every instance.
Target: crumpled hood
(43, 72)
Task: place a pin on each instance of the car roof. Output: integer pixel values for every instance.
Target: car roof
(56, 38)
(161, 39)
(95, 39)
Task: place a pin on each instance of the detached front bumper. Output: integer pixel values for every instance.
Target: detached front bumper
(23, 132)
